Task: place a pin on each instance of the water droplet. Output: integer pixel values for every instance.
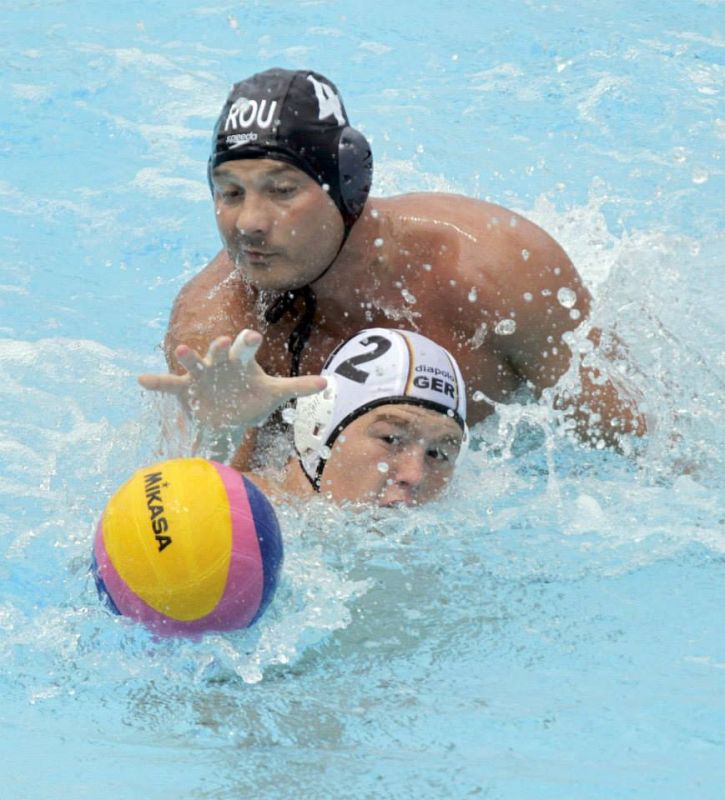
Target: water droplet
(700, 175)
(383, 467)
(325, 187)
(419, 149)
(566, 297)
(374, 213)
(472, 296)
(575, 313)
(528, 296)
(505, 327)
(525, 255)
(379, 242)
(478, 397)
(427, 267)
(407, 296)
(325, 452)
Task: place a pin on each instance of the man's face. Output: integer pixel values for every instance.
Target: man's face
(394, 455)
(280, 228)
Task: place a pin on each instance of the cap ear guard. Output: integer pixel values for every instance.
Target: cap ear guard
(355, 167)
(311, 428)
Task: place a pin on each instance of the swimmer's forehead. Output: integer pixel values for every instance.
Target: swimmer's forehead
(251, 168)
(422, 421)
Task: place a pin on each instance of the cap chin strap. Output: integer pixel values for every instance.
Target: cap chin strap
(301, 333)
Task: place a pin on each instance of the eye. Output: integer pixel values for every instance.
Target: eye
(230, 194)
(438, 454)
(391, 438)
(284, 189)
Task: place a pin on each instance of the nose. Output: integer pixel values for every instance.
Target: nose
(409, 467)
(254, 219)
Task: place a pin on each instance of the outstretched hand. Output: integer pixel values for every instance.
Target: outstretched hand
(227, 388)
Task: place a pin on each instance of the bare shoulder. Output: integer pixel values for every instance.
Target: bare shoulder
(474, 240)
(212, 303)
(468, 218)
(211, 280)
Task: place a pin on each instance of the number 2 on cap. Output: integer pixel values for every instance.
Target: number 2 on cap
(348, 369)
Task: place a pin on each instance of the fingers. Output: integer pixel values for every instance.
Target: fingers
(219, 350)
(245, 346)
(300, 387)
(189, 359)
(170, 384)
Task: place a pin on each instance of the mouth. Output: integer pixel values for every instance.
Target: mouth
(399, 502)
(258, 257)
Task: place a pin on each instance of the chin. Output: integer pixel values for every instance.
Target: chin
(270, 279)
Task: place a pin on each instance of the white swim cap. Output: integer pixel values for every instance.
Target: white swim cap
(375, 367)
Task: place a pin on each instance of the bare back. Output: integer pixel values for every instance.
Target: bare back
(470, 275)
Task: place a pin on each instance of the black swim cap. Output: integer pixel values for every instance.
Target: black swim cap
(297, 117)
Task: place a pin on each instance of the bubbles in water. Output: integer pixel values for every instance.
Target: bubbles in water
(289, 415)
(383, 467)
(575, 313)
(472, 295)
(379, 242)
(505, 327)
(566, 297)
(427, 267)
(374, 213)
(325, 452)
(700, 175)
(420, 149)
(479, 336)
(528, 297)
(525, 254)
(408, 296)
(478, 397)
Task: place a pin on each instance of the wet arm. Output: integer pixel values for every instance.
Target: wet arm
(550, 307)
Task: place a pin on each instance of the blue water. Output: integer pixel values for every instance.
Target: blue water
(554, 629)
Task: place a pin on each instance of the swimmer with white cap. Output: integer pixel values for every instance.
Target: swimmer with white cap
(384, 422)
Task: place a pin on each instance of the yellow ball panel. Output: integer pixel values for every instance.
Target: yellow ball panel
(168, 533)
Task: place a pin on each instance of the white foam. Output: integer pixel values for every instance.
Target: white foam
(154, 182)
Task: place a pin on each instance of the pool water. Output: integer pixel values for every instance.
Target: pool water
(554, 627)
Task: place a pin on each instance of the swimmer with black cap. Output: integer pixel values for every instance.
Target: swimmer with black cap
(294, 118)
(386, 429)
(309, 258)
